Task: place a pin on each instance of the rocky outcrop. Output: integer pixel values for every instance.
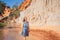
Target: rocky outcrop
(6, 12)
(25, 4)
(41, 12)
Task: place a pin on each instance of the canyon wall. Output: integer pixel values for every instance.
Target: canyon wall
(41, 12)
(43, 17)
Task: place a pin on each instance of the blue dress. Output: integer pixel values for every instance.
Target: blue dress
(25, 31)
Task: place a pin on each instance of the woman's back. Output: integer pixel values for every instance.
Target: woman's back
(25, 25)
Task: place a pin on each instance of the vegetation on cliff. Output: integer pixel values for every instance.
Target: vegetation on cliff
(12, 14)
(2, 7)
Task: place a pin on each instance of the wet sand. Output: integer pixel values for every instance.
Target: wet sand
(15, 34)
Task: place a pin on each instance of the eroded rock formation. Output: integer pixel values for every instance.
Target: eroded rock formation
(25, 4)
(41, 12)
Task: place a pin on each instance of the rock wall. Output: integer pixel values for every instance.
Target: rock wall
(25, 4)
(42, 12)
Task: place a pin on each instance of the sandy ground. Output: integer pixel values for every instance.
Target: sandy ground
(44, 33)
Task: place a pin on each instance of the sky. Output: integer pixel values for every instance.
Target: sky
(13, 2)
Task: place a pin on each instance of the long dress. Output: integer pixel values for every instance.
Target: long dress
(25, 31)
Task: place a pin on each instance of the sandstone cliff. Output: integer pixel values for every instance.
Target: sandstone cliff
(41, 12)
(42, 15)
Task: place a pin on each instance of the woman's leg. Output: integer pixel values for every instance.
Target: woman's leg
(25, 38)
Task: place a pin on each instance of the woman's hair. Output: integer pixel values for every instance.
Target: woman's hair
(25, 18)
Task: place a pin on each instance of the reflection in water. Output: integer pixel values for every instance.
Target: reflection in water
(1, 34)
(10, 34)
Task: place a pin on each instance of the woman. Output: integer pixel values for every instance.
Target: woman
(25, 30)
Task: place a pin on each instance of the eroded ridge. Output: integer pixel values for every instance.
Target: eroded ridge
(25, 4)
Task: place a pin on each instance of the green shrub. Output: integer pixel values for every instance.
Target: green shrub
(15, 14)
(2, 25)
